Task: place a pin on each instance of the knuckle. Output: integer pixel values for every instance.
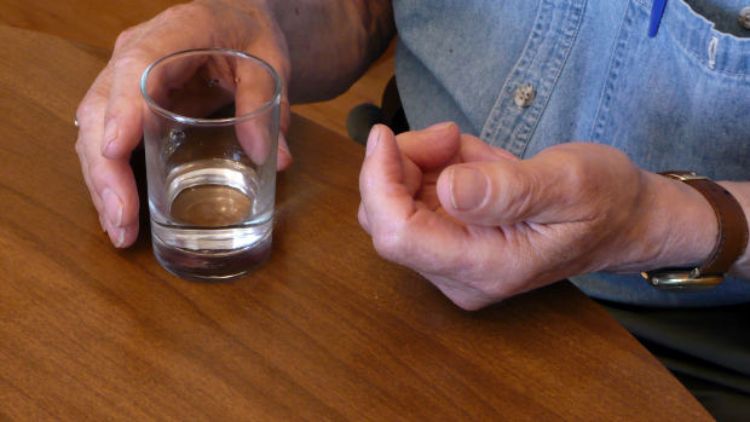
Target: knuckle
(86, 115)
(86, 108)
(389, 245)
(125, 37)
(130, 59)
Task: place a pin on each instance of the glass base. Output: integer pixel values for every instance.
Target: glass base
(212, 264)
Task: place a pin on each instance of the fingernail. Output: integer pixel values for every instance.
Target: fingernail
(439, 126)
(112, 207)
(468, 188)
(111, 132)
(373, 139)
(117, 236)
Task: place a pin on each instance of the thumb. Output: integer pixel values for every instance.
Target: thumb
(494, 193)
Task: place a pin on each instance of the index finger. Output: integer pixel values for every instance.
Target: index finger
(403, 231)
(433, 147)
(384, 194)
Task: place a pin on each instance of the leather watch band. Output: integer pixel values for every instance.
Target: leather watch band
(732, 225)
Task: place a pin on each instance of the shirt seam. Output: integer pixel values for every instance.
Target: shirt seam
(613, 74)
(570, 37)
(489, 129)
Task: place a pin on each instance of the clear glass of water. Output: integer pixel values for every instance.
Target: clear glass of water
(210, 133)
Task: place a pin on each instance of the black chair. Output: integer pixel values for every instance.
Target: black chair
(390, 113)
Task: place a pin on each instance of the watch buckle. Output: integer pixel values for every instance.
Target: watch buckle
(684, 176)
(682, 280)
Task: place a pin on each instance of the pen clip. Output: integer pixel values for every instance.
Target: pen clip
(657, 11)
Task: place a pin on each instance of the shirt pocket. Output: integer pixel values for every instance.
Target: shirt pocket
(680, 100)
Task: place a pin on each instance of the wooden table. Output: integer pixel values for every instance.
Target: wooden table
(326, 330)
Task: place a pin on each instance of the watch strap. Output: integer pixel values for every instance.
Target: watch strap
(732, 224)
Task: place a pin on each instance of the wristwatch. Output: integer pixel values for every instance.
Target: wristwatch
(731, 243)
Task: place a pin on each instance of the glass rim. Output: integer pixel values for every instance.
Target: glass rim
(203, 121)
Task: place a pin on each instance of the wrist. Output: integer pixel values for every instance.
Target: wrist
(675, 228)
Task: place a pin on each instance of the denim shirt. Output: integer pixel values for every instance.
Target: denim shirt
(680, 100)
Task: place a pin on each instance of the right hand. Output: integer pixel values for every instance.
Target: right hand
(110, 115)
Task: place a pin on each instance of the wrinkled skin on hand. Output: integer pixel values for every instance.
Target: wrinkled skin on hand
(110, 115)
(482, 225)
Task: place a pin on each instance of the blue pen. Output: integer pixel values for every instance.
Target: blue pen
(657, 11)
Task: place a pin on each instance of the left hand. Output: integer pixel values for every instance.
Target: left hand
(482, 225)
(110, 115)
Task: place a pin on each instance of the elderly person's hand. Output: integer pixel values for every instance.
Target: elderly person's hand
(109, 116)
(483, 226)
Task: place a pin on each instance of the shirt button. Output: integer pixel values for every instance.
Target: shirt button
(524, 95)
(745, 18)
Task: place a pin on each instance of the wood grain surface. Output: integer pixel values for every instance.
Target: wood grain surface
(326, 330)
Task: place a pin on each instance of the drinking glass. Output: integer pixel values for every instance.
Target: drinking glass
(210, 134)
